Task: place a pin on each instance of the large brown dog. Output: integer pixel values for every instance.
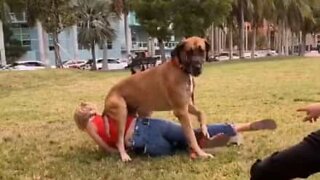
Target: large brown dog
(163, 88)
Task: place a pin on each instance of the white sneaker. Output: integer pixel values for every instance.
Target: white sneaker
(237, 139)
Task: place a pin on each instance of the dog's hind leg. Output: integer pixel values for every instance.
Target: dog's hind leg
(117, 109)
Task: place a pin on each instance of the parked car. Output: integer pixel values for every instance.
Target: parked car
(3, 67)
(113, 64)
(272, 53)
(313, 53)
(74, 63)
(26, 65)
(223, 56)
(247, 55)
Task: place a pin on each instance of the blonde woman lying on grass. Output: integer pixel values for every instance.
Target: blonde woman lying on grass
(156, 137)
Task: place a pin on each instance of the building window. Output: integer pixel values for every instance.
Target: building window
(21, 33)
(51, 45)
(26, 42)
(109, 44)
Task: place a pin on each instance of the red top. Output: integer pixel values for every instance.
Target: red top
(113, 127)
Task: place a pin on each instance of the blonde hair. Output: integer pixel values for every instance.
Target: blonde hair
(83, 113)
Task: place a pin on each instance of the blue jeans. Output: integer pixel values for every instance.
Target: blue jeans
(156, 137)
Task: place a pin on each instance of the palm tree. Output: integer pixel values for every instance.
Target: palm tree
(310, 22)
(261, 10)
(291, 16)
(240, 7)
(95, 28)
(230, 22)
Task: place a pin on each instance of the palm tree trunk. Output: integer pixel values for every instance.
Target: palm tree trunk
(269, 37)
(283, 40)
(253, 42)
(212, 40)
(105, 57)
(276, 41)
(216, 40)
(162, 53)
(40, 40)
(246, 37)
(75, 42)
(286, 40)
(57, 50)
(303, 43)
(241, 45)
(300, 43)
(93, 53)
(2, 46)
(45, 47)
(230, 42)
(280, 39)
(292, 43)
(126, 34)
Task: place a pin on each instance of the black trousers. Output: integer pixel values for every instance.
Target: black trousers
(298, 161)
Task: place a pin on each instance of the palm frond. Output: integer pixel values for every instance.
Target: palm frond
(94, 22)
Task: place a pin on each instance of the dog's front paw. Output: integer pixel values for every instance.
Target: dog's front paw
(125, 157)
(194, 155)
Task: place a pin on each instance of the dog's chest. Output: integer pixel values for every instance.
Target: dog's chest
(190, 85)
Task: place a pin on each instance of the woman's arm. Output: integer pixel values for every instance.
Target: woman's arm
(93, 134)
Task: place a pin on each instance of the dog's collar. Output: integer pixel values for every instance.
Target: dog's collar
(176, 63)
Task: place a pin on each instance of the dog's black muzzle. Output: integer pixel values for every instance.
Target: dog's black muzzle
(194, 66)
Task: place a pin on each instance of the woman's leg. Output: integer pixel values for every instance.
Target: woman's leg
(263, 124)
(148, 139)
(219, 133)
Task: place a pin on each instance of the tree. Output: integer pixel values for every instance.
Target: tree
(55, 16)
(239, 9)
(155, 16)
(310, 23)
(260, 11)
(190, 18)
(185, 17)
(95, 29)
(290, 16)
(5, 7)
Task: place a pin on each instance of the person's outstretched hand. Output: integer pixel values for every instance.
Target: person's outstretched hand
(313, 112)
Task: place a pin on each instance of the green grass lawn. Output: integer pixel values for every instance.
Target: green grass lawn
(39, 140)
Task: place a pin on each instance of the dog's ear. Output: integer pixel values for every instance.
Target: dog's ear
(207, 49)
(177, 50)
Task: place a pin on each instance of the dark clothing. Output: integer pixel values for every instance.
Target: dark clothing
(298, 161)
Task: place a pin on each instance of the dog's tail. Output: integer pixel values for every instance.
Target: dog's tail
(132, 70)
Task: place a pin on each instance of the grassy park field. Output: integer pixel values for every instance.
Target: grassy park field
(39, 139)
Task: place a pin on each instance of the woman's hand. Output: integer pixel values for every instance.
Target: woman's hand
(204, 130)
(313, 112)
